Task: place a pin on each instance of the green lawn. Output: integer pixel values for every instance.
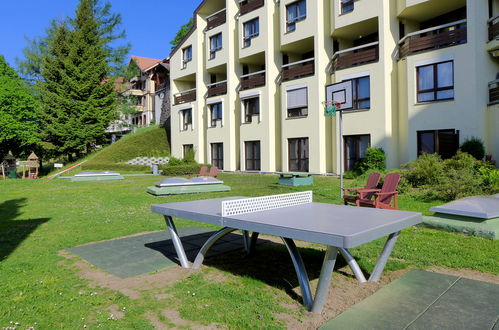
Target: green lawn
(38, 218)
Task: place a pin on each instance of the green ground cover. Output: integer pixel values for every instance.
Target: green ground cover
(39, 218)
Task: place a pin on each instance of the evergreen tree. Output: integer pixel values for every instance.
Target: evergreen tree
(78, 100)
(18, 125)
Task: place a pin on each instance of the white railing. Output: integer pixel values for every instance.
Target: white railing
(252, 74)
(492, 19)
(185, 92)
(217, 83)
(443, 26)
(343, 51)
(299, 62)
(215, 14)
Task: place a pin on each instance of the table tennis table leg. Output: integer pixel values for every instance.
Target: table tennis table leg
(246, 241)
(383, 258)
(208, 244)
(177, 243)
(301, 272)
(324, 279)
(353, 265)
(252, 244)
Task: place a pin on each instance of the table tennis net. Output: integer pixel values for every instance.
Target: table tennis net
(264, 203)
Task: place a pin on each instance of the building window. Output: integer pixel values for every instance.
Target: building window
(295, 12)
(346, 6)
(188, 150)
(216, 113)
(355, 149)
(252, 149)
(251, 30)
(251, 107)
(217, 155)
(361, 93)
(298, 154)
(443, 142)
(215, 45)
(435, 82)
(186, 116)
(186, 56)
(297, 102)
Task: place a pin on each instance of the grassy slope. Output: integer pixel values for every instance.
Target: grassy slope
(41, 217)
(146, 142)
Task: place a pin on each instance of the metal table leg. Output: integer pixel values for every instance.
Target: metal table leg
(208, 244)
(246, 241)
(176, 242)
(383, 258)
(324, 279)
(353, 265)
(301, 272)
(254, 239)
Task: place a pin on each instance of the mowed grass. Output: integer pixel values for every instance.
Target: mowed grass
(40, 288)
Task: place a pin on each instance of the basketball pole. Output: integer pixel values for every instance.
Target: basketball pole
(341, 153)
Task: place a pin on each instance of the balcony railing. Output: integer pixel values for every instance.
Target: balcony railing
(216, 19)
(441, 36)
(218, 88)
(247, 6)
(185, 96)
(494, 92)
(298, 69)
(252, 80)
(360, 55)
(493, 28)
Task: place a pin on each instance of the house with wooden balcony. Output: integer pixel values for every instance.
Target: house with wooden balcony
(248, 80)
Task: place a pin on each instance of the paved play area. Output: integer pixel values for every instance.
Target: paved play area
(425, 300)
(143, 254)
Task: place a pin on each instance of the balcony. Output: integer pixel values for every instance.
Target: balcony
(250, 5)
(298, 69)
(493, 38)
(218, 88)
(185, 96)
(216, 19)
(494, 92)
(253, 80)
(441, 36)
(359, 55)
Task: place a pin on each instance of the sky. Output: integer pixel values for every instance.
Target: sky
(150, 25)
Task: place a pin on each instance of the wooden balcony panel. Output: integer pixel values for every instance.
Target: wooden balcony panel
(494, 94)
(219, 89)
(250, 6)
(298, 71)
(435, 41)
(493, 31)
(253, 81)
(358, 58)
(217, 21)
(185, 97)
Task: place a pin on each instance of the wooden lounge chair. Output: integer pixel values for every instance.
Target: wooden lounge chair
(203, 171)
(213, 171)
(372, 183)
(384, 196)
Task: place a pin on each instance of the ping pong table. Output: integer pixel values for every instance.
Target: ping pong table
(294, 216)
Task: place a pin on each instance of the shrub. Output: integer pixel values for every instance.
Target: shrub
(490, 176)
(115, 167)
(474, 147)
(426, 170)
(375, 159)
(177, 161)
(185, 169)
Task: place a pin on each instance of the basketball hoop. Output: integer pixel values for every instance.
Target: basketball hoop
(330, 108)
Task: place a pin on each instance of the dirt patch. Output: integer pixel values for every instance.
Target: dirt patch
(130, 287)
(116, 313)
(175, 318)
(466, 273)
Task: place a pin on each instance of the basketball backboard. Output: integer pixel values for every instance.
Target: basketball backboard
(342, 93)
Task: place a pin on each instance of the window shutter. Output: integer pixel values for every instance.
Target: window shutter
(297, 98)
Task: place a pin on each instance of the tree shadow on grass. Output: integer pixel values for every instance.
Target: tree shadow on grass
(14, 231)
(271, 264)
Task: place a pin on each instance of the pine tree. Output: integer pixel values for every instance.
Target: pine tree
(18, 122)
(77, 96)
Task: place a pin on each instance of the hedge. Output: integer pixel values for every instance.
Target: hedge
(188, 169)
(115, 167)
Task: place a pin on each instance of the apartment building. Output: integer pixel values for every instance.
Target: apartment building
(248, 81)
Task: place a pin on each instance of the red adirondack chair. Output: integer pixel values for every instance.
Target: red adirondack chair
(213, 171)
(372, 183)
(203, 170)
(384, 196)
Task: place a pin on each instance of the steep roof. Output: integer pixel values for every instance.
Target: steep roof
(145, 63)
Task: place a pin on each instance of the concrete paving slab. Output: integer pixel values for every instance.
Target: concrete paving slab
(424, 300)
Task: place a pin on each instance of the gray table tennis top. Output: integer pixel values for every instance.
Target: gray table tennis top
(335, 225)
